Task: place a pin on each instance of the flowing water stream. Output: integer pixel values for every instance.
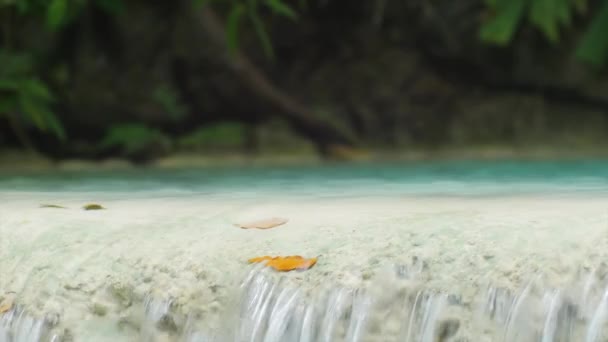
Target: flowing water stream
(453, 251)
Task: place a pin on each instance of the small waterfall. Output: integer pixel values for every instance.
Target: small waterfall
(552, 301)
(275, 307)
(598, 320)
(273, 310)
(17, 326)
(156, 315)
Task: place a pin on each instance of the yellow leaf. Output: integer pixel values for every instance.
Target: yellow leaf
(288, 263)
(7, 304)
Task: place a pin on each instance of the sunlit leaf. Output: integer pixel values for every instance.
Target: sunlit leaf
(280, 8)
(57, 13)
(232, 30)
(594, 46)
(500, 29)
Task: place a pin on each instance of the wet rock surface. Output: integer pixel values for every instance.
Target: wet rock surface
(397, 269)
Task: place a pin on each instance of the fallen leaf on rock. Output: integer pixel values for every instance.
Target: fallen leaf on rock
(52, 206)
(7, 304)
(288, 263)
(93, 207)
(263, 224)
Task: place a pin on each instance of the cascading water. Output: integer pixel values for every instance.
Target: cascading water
(398, 309)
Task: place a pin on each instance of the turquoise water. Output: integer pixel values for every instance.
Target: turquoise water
(432, 178)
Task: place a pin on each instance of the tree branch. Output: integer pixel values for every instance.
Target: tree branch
(324, 135)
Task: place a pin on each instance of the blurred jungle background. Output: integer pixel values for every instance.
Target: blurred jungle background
(144, 80)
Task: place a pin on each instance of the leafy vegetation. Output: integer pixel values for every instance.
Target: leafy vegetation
(24, 99)
(222, 134)
(167, 97)
(550, 17)
(133, 137)
(249, 10)
(29, 102)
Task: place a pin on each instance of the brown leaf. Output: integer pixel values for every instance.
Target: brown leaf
(7, 304)
(288, 263)
(263, 223)
(52, 206)
(93, 206)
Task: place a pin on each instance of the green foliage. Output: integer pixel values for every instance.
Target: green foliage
(549, 17)
(167, 97)
(115, 7)
(241, 9)
(545, 15)
(261, 31)
(57, 14)
(25, 99)
(22, 6)
(221, 134)
(133, 137)
(232, 26)
(594, 46)
(281, 8)
(501, 29)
